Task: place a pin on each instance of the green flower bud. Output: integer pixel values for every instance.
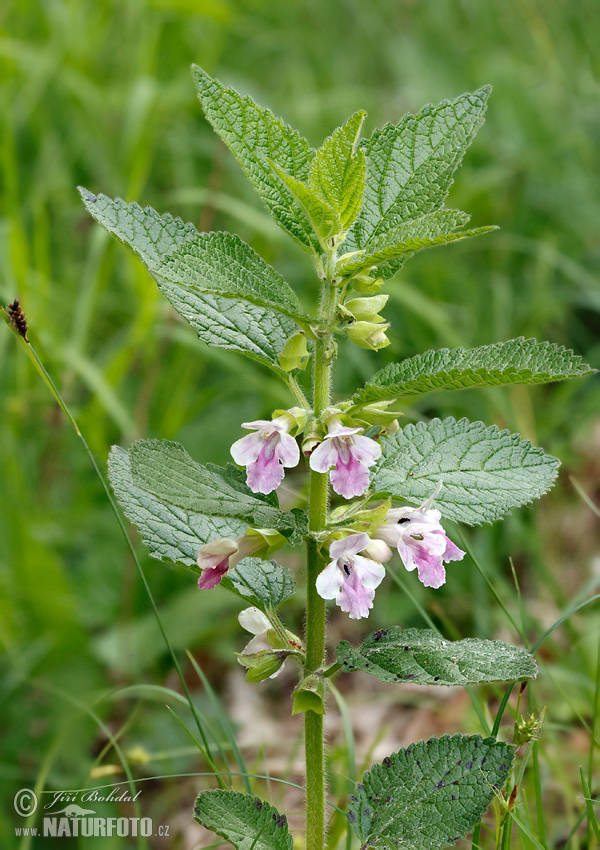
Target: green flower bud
(295, 353)
(365, 284)
(366, 309)
(368, 335)
(261, 665)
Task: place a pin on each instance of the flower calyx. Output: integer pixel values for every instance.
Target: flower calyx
(265, 654)
(295, 354)
(310, 694)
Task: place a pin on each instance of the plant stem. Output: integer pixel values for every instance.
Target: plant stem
(315, 608)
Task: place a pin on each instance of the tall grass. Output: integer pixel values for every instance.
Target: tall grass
(99, 94)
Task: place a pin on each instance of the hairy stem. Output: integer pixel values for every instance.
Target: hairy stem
(315, 605)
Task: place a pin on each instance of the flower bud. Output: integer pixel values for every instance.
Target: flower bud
(366, 309)
(365, 284)
(368, 335)
(262, 665)
(295, 353)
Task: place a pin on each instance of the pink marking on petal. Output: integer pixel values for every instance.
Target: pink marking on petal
(264, 475)
(351, 480)
(355, 599)
(211, 576)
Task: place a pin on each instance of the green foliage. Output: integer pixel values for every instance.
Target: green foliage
(245, 821)
(164, 469)
(224, 289)
(423, 657)
(484, 471)
(411, 165)
(319, 217)
(170, 532)
(517, 361)
(338, 171)
(430, 794)
(427, 231)
(264, 584)
(257, 137)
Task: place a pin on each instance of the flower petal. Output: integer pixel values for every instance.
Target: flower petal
(369, 572)
(348, 546)
(324, 456)
(329, 581)
(355, 599)
(253, 620)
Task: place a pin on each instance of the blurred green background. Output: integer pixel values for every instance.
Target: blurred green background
(99, 93)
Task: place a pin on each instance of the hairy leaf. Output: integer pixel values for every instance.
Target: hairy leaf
(423, 657)
(484, 472)
(166, 470)
(516, 361)
(265, 584)
(255, 136)
(320, 217)
(427, 231)
(338, 171)
(410, 165)
(225, 290)
(431, 794)
(170, 532)
(245, 821)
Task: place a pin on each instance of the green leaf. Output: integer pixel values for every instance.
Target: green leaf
(410, 166)
(170, 532)
(245, 821)
(166, 470)
(423, 657)
(320, 217)
(338, 171)
(431, 794)
(264, 584)
(427, 231)
(516, 361)
(255, 136)
(226, 291)
(484, 471)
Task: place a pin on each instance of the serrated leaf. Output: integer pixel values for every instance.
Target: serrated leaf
(516, 361)
(320, 217)
(410, 166)
(430, 794)
(245, 821)
(226, 291)
(338, 170)
(254, 135)
(166, 470)
(170, 532)
(264, 584)
(428, 231)
(423, 657)
(484, 471)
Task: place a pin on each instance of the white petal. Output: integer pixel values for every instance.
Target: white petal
(324, 456)
(329, 581)
(257, 644)
(366, 450)
(348, 546)
(253, 620)
(370, 573)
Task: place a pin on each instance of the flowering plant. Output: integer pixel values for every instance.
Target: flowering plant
(359, 209)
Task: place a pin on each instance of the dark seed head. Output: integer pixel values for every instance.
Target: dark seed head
(18, 318)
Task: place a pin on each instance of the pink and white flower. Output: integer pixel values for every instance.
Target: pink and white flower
(266, 452)
(349, 454)
(350, 578)
(421, 542)
(219, 556)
